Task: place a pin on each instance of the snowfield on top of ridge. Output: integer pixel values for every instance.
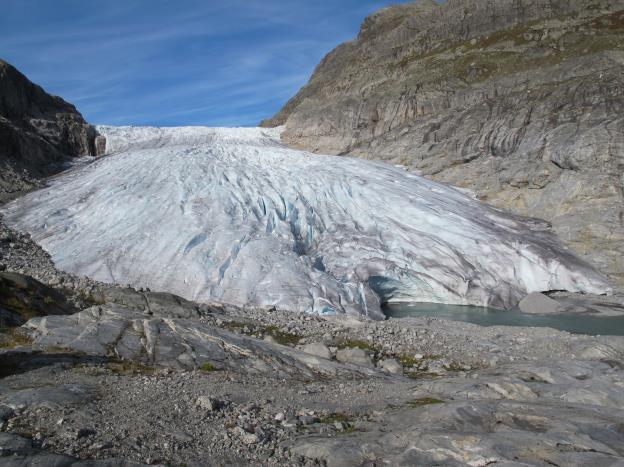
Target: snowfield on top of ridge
(232, 215)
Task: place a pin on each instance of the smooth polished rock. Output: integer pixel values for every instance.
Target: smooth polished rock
(537, 303)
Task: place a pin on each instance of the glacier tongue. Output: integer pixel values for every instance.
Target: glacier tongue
(232, 215)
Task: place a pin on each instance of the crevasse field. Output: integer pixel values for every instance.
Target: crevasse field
(232, 215)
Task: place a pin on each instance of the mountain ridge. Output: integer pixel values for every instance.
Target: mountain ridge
(518, 101)
(40, 132)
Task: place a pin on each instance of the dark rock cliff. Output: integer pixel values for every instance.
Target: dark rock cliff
(38, 132)
(520, 101)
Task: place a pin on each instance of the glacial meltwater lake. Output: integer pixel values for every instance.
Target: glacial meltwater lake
(572, 322)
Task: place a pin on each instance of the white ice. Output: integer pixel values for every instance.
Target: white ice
(232, 215)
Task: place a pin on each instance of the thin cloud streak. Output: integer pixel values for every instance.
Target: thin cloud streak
(185, 63)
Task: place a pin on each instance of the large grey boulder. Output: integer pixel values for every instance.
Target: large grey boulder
(518, 101)
(318, 349)
(356, 357)
(391, 365)
(538, 303)
(6, 413)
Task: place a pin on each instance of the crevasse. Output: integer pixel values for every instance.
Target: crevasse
(232, 215)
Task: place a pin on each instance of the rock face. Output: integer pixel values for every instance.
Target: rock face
(100, 145)
(22, 298)
(38, 132)
(196, 388)
(160, 340)
(233, 216)
(355, 357)
(519, 101)
(149, 377)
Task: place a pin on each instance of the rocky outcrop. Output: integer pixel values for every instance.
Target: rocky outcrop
(119, 331)
(511, 420)
(38, 132)
(519, 101)
(538, 303)
(23, 298)
(100, 145)
(173, 384)
(150, 377)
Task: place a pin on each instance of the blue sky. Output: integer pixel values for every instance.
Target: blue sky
(184, 62)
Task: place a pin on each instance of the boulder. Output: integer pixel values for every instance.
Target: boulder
(318, 349)
(392, 366)
(6, 413)
(538, 303)
(208, 404)
(355, 357)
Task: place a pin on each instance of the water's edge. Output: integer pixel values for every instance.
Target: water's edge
(575, 323)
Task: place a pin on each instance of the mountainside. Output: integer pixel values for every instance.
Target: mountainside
(521, 101)
(38, 132)
(231, 215)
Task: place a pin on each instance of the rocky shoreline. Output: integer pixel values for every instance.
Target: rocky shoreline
(139, 377)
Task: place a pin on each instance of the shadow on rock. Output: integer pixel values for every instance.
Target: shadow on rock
(22, 361)
(23, 298)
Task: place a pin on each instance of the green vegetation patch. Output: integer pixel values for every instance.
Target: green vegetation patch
(420, 374)
(454, 366)
(346, 421)
(410, 362)
(515, 34)
(235, 326)
(422, 401)
(11, 338)
(356, 344)
(282, 337)
(208, 368)
(22, 307)
(126, 368)
(336, 417)
(91, 299)
(482, 58)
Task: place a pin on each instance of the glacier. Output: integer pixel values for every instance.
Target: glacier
(232, 215)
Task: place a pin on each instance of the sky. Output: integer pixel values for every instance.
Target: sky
(182, 62)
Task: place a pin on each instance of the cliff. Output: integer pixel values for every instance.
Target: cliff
(38, 132)
(520, 101)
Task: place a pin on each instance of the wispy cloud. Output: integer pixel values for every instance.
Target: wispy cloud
(184, 62)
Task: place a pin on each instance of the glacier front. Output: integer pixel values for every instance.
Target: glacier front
(232, 215)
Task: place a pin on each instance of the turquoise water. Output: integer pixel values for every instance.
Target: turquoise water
(574, 323)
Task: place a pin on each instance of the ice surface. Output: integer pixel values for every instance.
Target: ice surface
(232, 215)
